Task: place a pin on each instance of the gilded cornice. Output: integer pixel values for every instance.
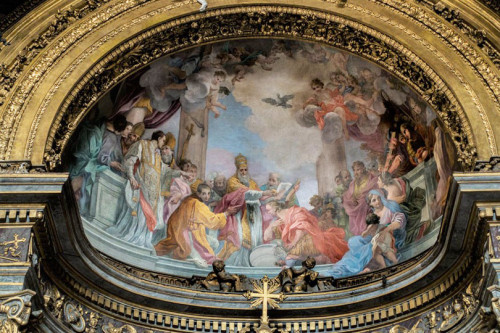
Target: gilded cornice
(422, 301)
(18, 13)
(112, 69)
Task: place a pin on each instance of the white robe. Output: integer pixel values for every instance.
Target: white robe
(152, 175)
(242, 256)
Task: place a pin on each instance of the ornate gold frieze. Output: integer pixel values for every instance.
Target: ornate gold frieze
(15, 311)
(110, 328)
(69, 312)
(478, 36)
(88, 297)
(462, 46)
(447, 317)
(492, 165)
(267, 22)
(10, 73)
(10, 167)
(21, 10)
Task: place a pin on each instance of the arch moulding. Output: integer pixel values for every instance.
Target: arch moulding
(86, 50)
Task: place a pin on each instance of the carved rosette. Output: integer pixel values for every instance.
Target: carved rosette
(15, 311)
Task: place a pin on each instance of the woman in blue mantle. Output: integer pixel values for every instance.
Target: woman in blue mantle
(380, 240)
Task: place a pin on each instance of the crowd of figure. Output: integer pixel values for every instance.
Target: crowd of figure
(170, 210)
(360, 226)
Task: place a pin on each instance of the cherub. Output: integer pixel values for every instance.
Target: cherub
(243, 60)
(219, 277)
(298, 280)
(212, 98)
(330, 101)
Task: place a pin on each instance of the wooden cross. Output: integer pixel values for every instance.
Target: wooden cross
(265, 294)
(190, 133)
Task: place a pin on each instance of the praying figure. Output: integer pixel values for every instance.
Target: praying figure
(302, 237)
(187, 229)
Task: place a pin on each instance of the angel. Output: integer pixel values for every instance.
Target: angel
(329, 101)
(212, 98)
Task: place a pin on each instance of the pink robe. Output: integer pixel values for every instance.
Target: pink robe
(357, 213)
(236, 198)
(330, 242)
(178, 185)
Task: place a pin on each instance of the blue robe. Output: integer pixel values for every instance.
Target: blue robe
(360, 248)
(86, 165)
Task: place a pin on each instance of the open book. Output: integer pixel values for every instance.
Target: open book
(284, 190)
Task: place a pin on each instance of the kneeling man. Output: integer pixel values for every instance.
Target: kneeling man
(186, 228)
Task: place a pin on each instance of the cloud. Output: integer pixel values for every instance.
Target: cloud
(289, 145)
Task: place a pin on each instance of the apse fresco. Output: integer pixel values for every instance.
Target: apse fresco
(261, 153)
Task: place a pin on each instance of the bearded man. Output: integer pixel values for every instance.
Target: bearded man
(354, 199)
(220, 188)
(187, 228)
(242, 178)
(244, 230)
(274, 183)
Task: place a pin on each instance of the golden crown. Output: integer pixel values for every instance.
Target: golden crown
(240, 160)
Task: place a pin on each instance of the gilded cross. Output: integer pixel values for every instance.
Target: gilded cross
(12, 249)
(265, 294)
(16, 241)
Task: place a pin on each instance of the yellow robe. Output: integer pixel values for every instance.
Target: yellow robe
(234, 183)
(192, 216)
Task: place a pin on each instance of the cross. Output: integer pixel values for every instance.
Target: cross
(16, 241)
(190, 133)
(12, 249)
(264, 295)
